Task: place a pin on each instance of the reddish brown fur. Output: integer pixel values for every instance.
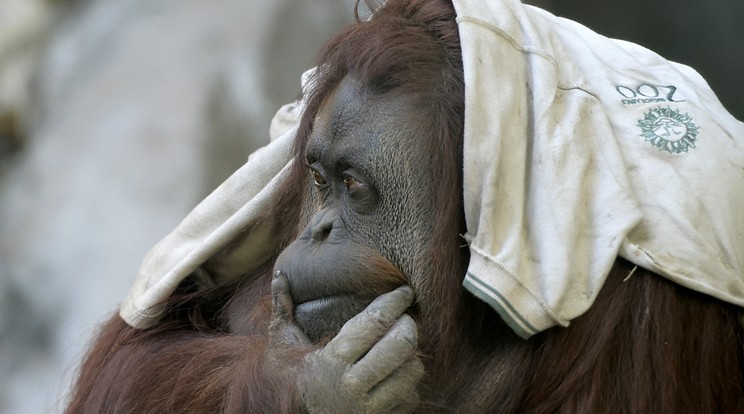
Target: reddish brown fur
(645, 346)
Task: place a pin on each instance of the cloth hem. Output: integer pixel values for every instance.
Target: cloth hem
(518, 307)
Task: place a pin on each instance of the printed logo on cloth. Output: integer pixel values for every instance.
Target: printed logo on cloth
(646, 93)
(669, 130)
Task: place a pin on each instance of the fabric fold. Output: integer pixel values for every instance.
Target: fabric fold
(577, 148)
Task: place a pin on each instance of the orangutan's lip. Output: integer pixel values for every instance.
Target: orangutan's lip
(343, 296)
(319, 304)
(322, 301)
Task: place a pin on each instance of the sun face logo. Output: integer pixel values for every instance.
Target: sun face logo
(668, 130)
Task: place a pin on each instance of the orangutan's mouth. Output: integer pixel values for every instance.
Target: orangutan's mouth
(324, 317)
(324, 304)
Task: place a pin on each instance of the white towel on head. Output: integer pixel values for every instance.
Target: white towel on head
(577, 148)
(211, 243)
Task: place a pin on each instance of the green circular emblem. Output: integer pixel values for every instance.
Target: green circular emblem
(669, 130)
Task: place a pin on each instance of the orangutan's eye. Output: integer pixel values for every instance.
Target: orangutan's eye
(351, 184)
(318, 178)
(356, 188)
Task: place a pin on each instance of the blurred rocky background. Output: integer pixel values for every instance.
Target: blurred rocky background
(118, 116)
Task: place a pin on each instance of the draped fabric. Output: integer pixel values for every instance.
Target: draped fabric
(578, 148)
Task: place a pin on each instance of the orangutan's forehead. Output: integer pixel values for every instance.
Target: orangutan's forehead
(353, 120)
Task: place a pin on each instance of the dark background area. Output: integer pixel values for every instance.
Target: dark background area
(706, 35)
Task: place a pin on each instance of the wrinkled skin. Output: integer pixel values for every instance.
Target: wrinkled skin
(362, 226)
(330, 269)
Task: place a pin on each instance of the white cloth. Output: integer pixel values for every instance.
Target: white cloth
(577, 148)
(212, 243)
